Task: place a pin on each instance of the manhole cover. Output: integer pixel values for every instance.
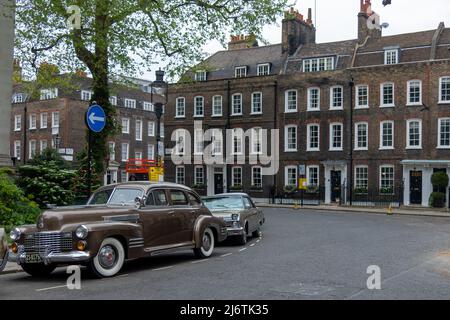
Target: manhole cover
(306, 289)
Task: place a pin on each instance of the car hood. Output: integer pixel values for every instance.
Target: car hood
(56, 219)
(224, 214)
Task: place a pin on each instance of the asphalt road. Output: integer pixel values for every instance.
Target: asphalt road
(302, 255)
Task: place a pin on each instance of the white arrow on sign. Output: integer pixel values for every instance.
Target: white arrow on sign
(93, 118)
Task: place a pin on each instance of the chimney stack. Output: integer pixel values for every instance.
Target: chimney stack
(297, 31)
(366, 25)
(242, 42)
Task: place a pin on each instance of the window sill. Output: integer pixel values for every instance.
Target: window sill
(237, 115)
(444, 102)
(414, 104)
(290, 111)
(387, 106)
(361, 107)
(414, 148)
(337, 109)
(290, 151)
(312, 150)
(443, 147)
(256, 114)
(180, 117)
(216, 116)
(384, 148)
(336, 150)
(199, 116)
(361, 149)
(312, 110)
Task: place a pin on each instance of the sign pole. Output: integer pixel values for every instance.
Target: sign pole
(89, 166)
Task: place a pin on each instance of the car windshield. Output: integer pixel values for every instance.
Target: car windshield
(125, 196)
(224, 203)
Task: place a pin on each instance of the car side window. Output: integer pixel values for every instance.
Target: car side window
(101, 197)
(178, 198)
(160, 198)
(150, 200)
(247, 203)
(195, 201)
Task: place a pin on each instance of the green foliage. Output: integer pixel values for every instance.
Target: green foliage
(387, 191)
(236, 187)
(439, 180)
(289, 189)
(15, 208)
(312, 189)
(437, 200)
(47, 180)
(360, 191)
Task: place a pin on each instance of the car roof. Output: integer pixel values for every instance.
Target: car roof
(145, 185)
(228, 195)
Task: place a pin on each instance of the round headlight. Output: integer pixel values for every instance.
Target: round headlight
(81, 232)
(15, 234)
(235, 216)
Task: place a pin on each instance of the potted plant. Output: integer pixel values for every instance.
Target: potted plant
(236, 187)
(387, 191)
(312, 189)
(289, 188)
(439, 180)
(199, 186)
(361, 191)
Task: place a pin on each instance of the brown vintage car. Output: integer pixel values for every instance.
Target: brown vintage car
(107, 231)
(3, 250)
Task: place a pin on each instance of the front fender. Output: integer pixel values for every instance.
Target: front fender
(216, 224)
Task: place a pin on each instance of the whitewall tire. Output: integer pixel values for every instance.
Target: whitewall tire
(207, 246)
(109, 259)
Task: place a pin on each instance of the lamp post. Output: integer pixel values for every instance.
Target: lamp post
(57, 141)
(161, 84)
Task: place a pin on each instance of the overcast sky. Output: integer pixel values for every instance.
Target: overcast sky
(337, 19)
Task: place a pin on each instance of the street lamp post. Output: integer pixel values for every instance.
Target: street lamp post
(159, 83)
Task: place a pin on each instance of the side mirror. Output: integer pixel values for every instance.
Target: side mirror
(140, 202)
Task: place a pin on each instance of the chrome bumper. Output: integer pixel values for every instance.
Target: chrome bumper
(49, 258)
(235, 231)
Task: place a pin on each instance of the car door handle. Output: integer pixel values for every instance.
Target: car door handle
(171, 213)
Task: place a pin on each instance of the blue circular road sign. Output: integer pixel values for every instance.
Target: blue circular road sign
(96, 118)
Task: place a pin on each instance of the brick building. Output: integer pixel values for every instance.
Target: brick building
(367, 115)
(56, 119)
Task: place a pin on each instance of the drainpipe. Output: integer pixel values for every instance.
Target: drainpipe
(352, 84)
(228, 126)
(25, 146)
(275, 126)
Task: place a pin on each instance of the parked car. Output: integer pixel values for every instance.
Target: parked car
(3, 250)
(239, 212)
(166, 217)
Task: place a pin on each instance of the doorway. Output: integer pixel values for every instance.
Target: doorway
(218, 183)
(415, 182)
(335, 179)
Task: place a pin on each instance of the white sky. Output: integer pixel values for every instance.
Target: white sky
(337, 19)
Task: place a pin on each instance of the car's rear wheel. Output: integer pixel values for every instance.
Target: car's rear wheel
(207, 247)
(109, 259)
(38, 269)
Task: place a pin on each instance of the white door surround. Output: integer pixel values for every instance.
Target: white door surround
(210, 170)
(334, 166)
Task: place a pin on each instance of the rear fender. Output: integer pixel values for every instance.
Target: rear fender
(216, 225)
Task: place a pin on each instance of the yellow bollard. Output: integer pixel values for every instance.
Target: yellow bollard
(296, 207)
(390, 211)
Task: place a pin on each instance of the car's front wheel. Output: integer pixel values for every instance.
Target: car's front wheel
(207, 246)
(109, 259)
(38, 269)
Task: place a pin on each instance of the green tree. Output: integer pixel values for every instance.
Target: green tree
(47, 179)
(127, 36)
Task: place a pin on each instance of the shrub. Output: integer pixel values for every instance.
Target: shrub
(439, 180)
(15, 208)
(437, 200)
(289, 189)
(236, 187)
(361, 191)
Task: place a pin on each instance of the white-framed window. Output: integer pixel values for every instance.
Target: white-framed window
(236, 176)
(33, 121)
(17, 122)
(199, 175)
(17, 150)
(256, 140)
(33, 147)
(138, 133)
(217, 141)
(257, 177)
(290, 176)
(313, 137)
(148, 106)
(151, 128)
(112, 150)
(138, 155)
(237, 138)
(361, 177)
(256, 103)
(240, 72)
(217, 106)
(318, 64)
(444, 133)
(290, 101)
(113, 100)
(387, 95)
(414, 134)
(43, 144)
(198, 142)
(86, 95)
(361, 136)
(130, 103)
(180, 174)
(312, 176)
(414, 93)
(237, 104)
(290, 138)
(180, 109)
(151, 151)
(387, 175)
(55, 119)
(362, 96)
(200, 76)
(47, 94)
(444, 91)
(125, 151)
(337, 98)
(180, 138)
(199, 106)
(44, 120)
(391, 56)
(336, 136)
(313, 99)
(387, 135)
(125, 125)
(18, 98)
(263, 69)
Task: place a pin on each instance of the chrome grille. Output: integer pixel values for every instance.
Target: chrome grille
(48, 241)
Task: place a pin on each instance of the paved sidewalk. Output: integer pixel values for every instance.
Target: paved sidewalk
(11, 268)
(379, 210)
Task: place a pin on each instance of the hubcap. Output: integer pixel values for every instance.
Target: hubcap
(107, 257)
(206, 242)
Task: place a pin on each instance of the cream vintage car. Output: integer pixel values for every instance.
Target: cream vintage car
(3, 250)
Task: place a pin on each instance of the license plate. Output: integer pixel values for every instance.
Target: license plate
(33, 258)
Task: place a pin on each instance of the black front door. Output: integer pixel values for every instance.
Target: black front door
(335, 185)
(415, 181)
(218, 183)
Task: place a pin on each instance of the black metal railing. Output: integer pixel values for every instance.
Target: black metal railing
(311, 197)
(374, 197)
